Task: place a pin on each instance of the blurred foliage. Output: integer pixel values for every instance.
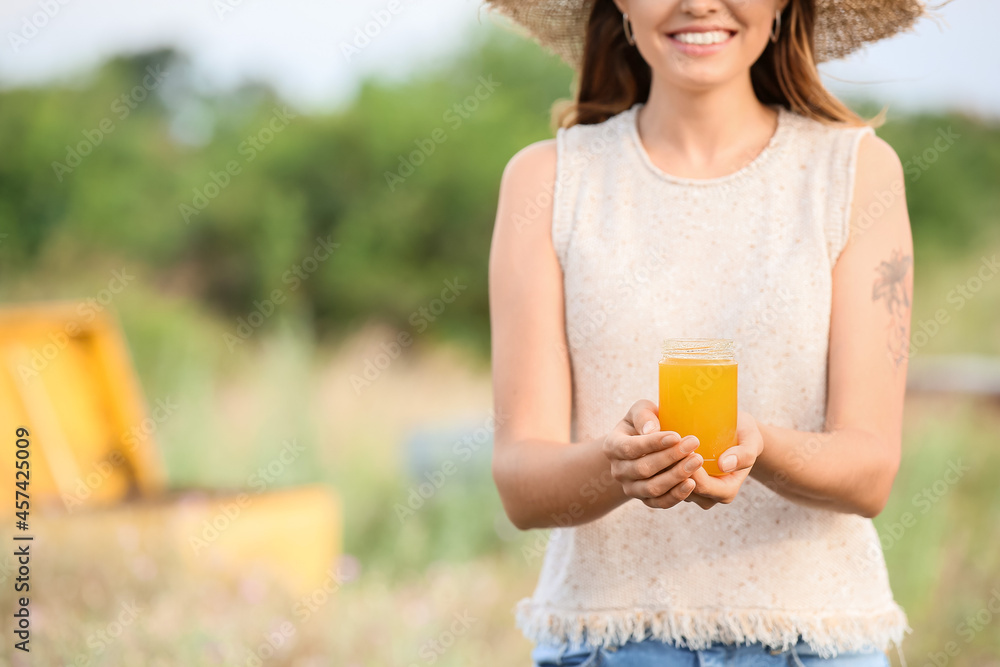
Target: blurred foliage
(303, 178)
(319, 177)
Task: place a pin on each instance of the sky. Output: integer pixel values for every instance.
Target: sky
(298, 46)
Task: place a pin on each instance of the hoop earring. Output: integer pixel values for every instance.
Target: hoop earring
(628, 30)
(776, 27)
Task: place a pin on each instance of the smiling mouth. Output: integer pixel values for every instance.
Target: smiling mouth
(703, 38)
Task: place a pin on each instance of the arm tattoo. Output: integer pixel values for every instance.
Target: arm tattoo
(890, 287)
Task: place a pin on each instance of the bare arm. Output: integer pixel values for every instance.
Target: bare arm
(851, 466)
(539, 473)
(544, 479)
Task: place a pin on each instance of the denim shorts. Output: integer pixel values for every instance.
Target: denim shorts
(654, 653)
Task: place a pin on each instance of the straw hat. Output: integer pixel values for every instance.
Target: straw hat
(842, 26)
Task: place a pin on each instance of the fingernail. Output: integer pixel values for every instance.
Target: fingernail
(693, 464)
(690, 444)
(727, 462)
(649, 427)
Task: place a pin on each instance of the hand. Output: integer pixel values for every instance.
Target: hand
(650, 464)
(710, 490)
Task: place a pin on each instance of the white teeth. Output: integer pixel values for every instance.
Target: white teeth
(713, 37)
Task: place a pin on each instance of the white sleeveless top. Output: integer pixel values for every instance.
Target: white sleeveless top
(747, 256)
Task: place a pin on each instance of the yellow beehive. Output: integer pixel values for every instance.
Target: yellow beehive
(67, 378)
(292, 532)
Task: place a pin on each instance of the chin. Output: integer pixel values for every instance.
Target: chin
(699, 73)
(700, 78)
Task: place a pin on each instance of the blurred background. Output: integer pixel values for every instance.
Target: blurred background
(268, 440)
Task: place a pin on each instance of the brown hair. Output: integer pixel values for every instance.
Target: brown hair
(614, 75)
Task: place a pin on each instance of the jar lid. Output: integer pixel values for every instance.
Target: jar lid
(699, 348)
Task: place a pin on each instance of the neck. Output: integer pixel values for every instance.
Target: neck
(702, 124)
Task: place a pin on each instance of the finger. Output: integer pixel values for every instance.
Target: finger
(745, 421)
(627, 447)
(740, 457)
(643, 417)
(702, 481)
(656, 462)
(720, 489)
(748, 433)
(672, 497)
(658, 485)
(701, 501)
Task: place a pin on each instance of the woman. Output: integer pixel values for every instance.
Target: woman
(704, 184)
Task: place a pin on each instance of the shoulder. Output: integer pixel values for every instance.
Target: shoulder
(526, 188)
(818, 133)
(534, 161)
(877, 161)
(529, 177)
(879, 188)
(866, 155)
(541, 162)
(533, 175)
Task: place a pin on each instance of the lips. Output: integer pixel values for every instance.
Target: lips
(701, 40)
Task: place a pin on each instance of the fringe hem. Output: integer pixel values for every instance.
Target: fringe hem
(828, 634)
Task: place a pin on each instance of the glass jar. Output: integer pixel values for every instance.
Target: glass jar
(698, 394)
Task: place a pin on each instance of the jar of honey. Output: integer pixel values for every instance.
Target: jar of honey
(698, 394)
